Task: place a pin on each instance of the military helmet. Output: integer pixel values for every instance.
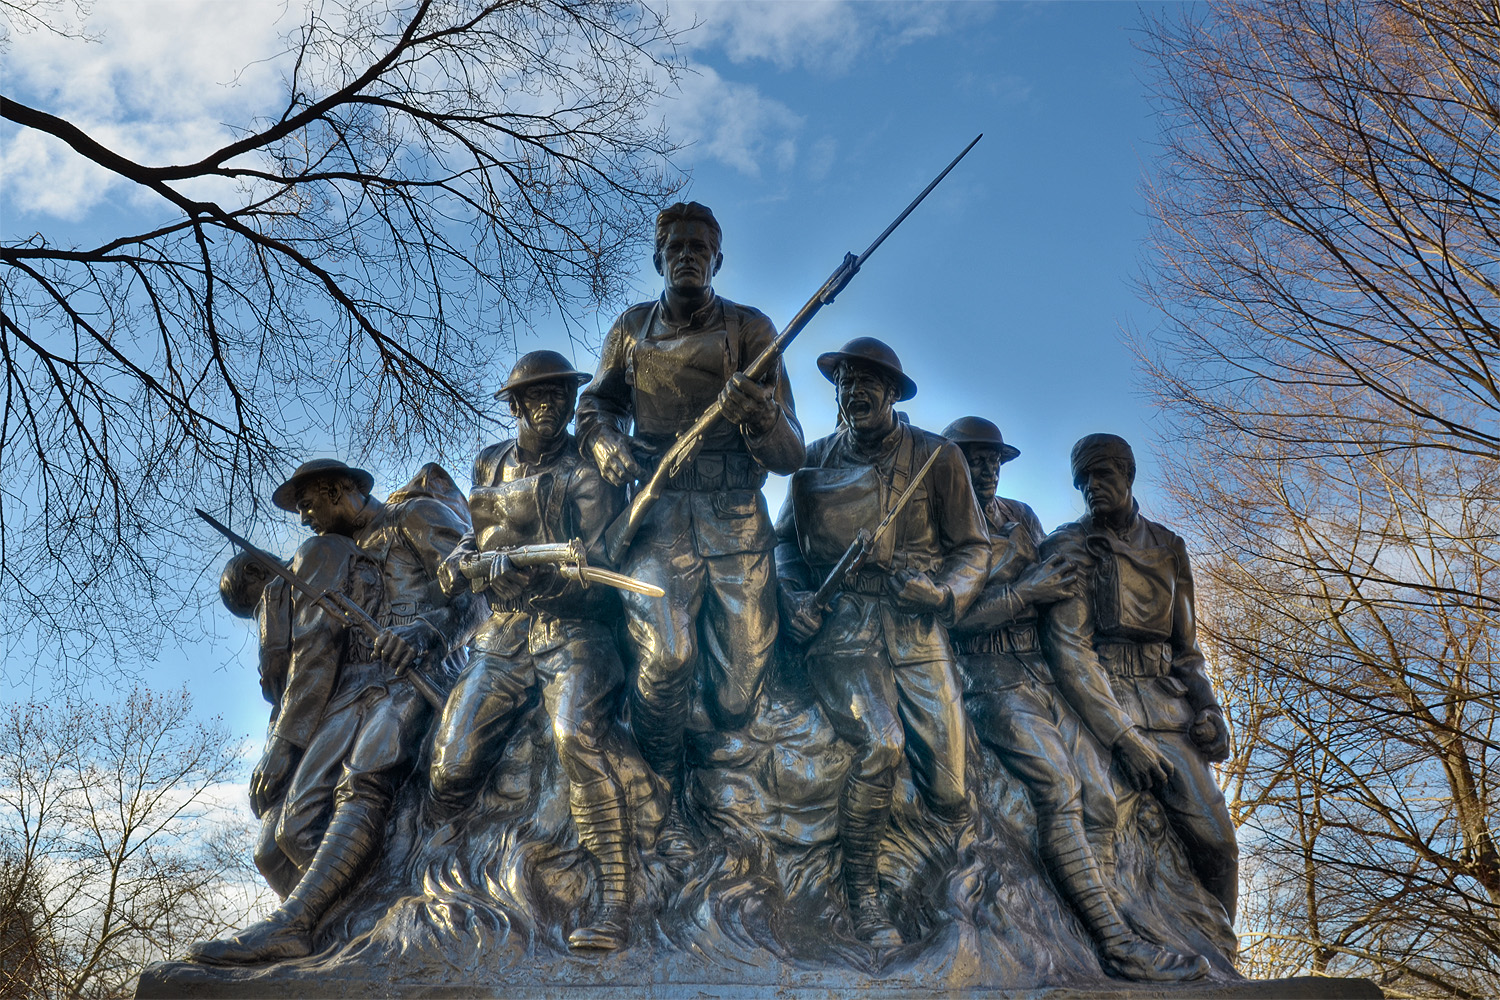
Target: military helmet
(285, 496)
(869, 351)
(541, 366)
(979, 431)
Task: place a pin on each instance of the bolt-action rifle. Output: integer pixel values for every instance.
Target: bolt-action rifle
(864, 541)
(338, 605)
(620, 534)
(568, 557)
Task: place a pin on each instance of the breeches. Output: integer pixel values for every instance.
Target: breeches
(885, 711)
(362, 750)
(1195, 807)
(580, 684)
(719, 611)
(1042, 743)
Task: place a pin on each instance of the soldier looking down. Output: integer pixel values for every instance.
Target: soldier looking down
(1125, 653)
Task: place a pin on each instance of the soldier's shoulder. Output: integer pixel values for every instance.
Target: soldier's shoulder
(323, 549)
(819, 449)
(1163, 535)
(487, 462)
(1067, 540)
(421, 510)
(751, 319)
(634, 316)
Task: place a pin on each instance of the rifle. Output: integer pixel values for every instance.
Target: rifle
(618, 536)
(864, 541)
(337, 604)
(568, 557)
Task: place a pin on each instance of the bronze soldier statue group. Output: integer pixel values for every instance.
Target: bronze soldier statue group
(925, 607)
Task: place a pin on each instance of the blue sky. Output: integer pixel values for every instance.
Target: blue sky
(809, 126)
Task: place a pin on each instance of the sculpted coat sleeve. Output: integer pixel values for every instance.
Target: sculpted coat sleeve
(961, 533)
(433, 531)
(316, 646)
(1187, 659)
(781, 449)
(605, 402)
(1068, 638)
(791, 568)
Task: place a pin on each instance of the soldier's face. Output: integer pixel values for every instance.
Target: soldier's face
(689, 257)
(865, 397)
(984, 469)
(1106, 487)
(545, 407)
(327, 509)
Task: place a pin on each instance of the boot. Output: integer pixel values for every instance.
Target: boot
(864, 810)
(1126, 954)
(599, 812)
(287, 933)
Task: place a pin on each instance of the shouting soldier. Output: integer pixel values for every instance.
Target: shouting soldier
(372, 726)
(707, 542)
(879, 659)
(1125, 652)
(537, 488)
(1017, 711)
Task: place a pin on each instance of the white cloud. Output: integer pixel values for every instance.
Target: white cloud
(733, 123)
(820, 35)
(156, 81)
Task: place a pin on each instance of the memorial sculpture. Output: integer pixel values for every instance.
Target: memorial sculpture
(1126, 654)
(1016, 709)
(719, 764)
(879, 657)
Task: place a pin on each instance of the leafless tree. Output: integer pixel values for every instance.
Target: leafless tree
(115, 848)
(1326, 209)
(352, 268)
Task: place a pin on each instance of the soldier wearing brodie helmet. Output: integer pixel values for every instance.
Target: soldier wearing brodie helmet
(543, 630)
(879, 657)
(1125, 652)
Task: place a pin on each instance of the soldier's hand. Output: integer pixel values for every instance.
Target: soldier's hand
(1049, 581)
(506, 580)
(915, 591)
(803, 618)
(1143, 764)
(400, 647)
(1210, 734)
(613, 455)
(272, 773)
(749, 404)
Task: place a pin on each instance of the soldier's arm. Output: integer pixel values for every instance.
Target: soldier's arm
(961, 533)
(780, 447)
(594, 506)
(791, 569)
(605, 402)
(433, 530)
(317, 641)
(1068, 639)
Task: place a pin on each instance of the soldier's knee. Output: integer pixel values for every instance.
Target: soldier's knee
(881, 753)
(1060, 794)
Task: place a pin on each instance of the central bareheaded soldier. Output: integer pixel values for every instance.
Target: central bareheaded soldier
(707, 542)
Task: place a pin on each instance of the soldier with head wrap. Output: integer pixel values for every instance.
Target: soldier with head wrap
(1017, 711)
(879, 657)
(1125, 652)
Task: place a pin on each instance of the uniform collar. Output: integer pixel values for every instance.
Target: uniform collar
(700, 317)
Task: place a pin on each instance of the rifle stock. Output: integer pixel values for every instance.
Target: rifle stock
(622, 531)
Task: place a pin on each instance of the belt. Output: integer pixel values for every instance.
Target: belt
(1135, 659)
(871, 583)
(1019, 638)
(715, 471)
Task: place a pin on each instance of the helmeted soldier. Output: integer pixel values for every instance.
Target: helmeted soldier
(879, 659)
(371, 728)
(1016, 710)
(1125, 652)
(543, 629)
(707, 542)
